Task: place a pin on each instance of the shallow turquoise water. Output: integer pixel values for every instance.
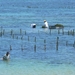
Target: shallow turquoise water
(32, 67)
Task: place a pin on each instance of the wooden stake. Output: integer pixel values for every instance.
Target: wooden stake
(34, 48)
(57, 43)
(10, 47)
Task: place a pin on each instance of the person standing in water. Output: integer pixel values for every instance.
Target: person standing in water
(6, 56)
(33, 25)
(45, 24)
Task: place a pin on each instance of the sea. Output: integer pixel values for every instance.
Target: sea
(37, 51)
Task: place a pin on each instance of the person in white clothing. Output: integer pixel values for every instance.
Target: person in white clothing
(33, 25)
(6, 56)
(45, 24)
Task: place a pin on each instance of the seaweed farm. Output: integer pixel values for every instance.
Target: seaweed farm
(38, 47)
(37, 51)
(46, 37)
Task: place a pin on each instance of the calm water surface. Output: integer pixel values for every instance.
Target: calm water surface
(45, 59)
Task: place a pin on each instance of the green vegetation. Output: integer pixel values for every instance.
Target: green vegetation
(59, 25)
